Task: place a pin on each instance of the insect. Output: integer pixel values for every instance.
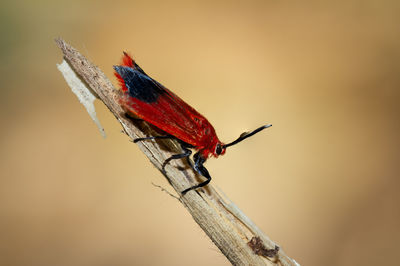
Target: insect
(155, 104)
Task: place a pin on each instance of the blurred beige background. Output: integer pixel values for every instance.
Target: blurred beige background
(322, 182)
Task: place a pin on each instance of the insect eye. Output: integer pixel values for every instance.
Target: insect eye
(218, 149)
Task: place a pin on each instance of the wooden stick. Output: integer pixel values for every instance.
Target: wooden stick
(232, 232)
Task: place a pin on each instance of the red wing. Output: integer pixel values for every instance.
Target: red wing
(157, 105)
(166, 115)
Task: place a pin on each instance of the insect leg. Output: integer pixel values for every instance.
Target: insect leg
(199, 167)
(154, 137)
(186, 146)
(186, 153)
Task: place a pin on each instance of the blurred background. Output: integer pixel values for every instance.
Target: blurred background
(322, 182)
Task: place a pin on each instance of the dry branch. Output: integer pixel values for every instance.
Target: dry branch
(231, 231)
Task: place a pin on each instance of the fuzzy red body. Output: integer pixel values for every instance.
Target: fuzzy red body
(167, 111)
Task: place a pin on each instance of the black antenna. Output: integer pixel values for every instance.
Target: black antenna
(246, 135)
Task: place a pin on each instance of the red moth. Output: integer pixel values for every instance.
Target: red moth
(152, 102)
